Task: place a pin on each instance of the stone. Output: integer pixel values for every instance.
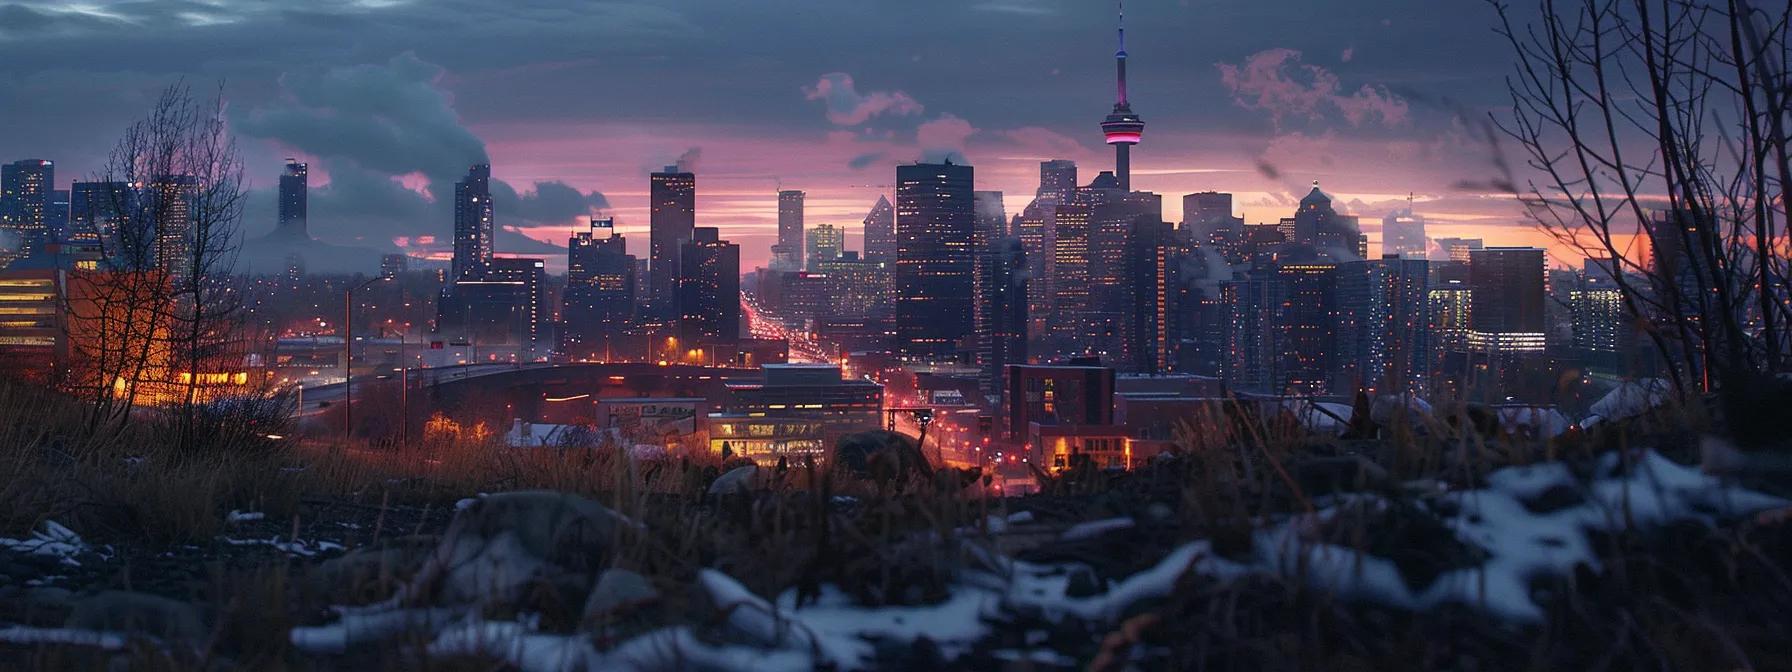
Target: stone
(508, 544)
(736, 482)
(134, 613)
(619, 590)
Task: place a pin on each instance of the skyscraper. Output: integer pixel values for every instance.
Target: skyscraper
(672, 196)
(1057, 177)
(599, 302)
(25, 187)
(1403, 233)
(880, 232)
(1384, 325)
(1152, 250)
(991, 226)
(97, 209)
(294, 198)
(1507, 286)
(826, 241)
(709, 289)
(1207, 218)
(1122, 127)
(788, 253)
(171, 212)
(1318, 225)
(935, 222)
(472, 222)
(1601, 330)
(1006, 297)
(532, 274)
(1306, 343)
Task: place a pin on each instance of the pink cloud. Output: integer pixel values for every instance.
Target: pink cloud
(1275, 81)
(847, 107)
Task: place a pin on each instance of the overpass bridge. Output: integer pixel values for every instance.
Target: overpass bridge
(539, 391)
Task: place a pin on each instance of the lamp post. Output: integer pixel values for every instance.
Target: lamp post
(348, 358)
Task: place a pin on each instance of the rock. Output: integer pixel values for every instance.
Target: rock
(371, 573)
(737, 481)
(619, 590)
(880, 455)
(140, 613)
(509, 545)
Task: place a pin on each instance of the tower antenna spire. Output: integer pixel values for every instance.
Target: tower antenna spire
(1123, 127)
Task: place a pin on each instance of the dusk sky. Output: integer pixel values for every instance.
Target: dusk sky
(575, 102)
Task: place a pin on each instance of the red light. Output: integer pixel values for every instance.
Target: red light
(1123, 138)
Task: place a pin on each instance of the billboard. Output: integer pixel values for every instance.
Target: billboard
(651, 416)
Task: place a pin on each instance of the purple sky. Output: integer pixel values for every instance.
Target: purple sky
(574, 102)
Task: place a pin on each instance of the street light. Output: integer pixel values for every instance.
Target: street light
(348, 357)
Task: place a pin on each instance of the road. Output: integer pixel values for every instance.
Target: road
(762, 324)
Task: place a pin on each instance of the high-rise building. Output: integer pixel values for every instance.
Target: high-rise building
(1207, 218)
(531, 273)
(1507, 290)
(1601, 331)
(1307, 332)
(788, 253)
(880, 232)
(1122, 128)
(1318, 225)
(1005, 294)
(1057, 177)
(599, 303)
(473, 218)
(1253, 307)
(709, 289)
(394, 265)
(1152, 251)
(1384, 326)
(25, 187)
(935, 222)
(859, 288)
(1114, 216)
(56, 214)
(826, 241)
(97, 209)
(171, 213)
(672, 202)
(991, 226)
(294, 201)
(1457, 249)
(1403, 233)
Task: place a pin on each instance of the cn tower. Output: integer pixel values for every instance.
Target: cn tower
(1122, 127)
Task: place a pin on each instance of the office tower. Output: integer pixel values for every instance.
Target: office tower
(1306, 342)
(1318, 225)
(1122, 127)
(170, 211)
(394, 265)
(1207, 218)
(56, 214)
(1006, 296)
(599, 303)
(672, 199)
(804, 298)
(860, 288)
(787, 254)
(1112, 220)
(826, 241)
(880, 232)
(1384, 326)
(294, 201)
(98, 209)
(709, 289)
(1057, 177)
(1457, 249)
(935, 219)
(991, 226)
(531, 273)
(1601, 331)
(1508, 290)
(1067, 270)
(1403, 233)
(1253, 307)
(1152, 250)
(472, 223)
(25, 187)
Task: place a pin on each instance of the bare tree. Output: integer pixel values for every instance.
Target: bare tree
(1662, 121)
(154, 320)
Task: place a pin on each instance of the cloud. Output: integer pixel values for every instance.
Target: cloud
(944, 138)
(847, 107)
(1275, 81)
(390, 117)
(1038, 140)
(866, 160)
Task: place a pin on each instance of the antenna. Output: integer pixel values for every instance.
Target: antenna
(1122, 52)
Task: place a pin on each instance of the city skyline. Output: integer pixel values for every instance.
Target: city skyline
(1224, 118)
